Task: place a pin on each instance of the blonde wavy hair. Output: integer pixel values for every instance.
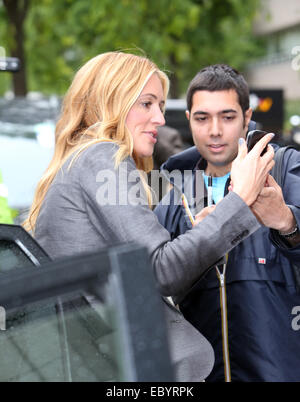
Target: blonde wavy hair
(94, 110)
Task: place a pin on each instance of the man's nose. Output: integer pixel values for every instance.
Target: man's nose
(215, 128)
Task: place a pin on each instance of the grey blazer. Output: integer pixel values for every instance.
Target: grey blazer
(92, 204)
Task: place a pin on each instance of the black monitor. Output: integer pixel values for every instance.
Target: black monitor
(94, 317)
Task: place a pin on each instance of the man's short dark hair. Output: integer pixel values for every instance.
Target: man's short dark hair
(219, 77)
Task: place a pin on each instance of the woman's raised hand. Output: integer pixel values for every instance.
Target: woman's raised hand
(249, 171)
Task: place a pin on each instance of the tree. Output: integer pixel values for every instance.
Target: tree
(16, 12)
(180, 36)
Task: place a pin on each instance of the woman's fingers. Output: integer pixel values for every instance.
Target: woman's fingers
(269, 155)
(270, 165)
(242, 150)
(261, 144)
(249, 170)
(268, 159)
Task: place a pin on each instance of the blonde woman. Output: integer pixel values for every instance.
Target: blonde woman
(87, 199)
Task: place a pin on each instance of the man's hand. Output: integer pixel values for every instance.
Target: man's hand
(271, 210)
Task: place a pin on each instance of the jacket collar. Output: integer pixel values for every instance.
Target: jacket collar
(188, 159)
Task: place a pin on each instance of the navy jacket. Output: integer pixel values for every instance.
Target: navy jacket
(263, 306)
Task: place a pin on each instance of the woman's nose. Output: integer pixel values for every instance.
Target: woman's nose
(158, 117)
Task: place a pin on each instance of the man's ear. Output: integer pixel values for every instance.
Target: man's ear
(248, 115)
(187, 114)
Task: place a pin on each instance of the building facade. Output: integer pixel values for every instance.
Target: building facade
(279, 24)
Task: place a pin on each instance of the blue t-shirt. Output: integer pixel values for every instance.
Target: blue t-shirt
(218, 186)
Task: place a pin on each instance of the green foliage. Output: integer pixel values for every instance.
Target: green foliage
(5, 211)
(180, 36)
(5, 82)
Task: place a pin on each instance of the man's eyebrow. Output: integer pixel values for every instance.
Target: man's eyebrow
(229, 111)
(201, 112)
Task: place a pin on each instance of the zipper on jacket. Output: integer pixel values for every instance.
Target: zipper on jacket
(223, 301)
(223, 305)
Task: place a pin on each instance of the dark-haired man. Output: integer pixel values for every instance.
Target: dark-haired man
(244, 306)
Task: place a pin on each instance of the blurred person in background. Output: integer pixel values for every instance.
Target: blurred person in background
(169, 143)
(87, 199)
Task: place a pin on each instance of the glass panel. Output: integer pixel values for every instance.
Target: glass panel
(11, 256)
(72, 339)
